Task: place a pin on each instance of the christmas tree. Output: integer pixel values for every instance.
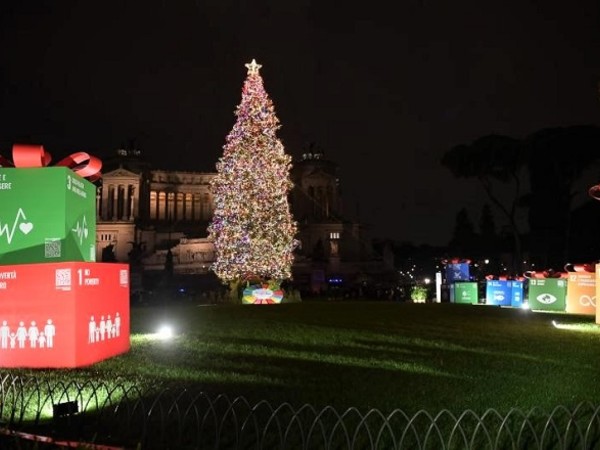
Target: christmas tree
(252, 227)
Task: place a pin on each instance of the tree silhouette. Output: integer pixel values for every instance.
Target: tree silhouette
(493, 160)
(464, 238)
(108, 253)
(318, 252)
(554, 160)
(557, 158)
(169, 264)
(487, 226)
(487, 230)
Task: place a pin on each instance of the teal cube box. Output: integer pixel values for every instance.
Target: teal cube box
(47, 214)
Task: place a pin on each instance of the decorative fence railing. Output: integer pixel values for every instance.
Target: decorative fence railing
(122, 415)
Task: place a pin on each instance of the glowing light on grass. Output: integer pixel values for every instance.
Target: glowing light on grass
(165, 332)
(88, 397)
(581, 327)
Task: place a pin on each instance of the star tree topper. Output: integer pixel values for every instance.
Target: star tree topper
(253, 67)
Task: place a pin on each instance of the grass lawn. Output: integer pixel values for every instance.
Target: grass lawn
(364, 354)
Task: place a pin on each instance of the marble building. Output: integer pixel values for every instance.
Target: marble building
(150, 216)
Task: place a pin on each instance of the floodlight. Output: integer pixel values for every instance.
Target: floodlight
(65, 409)
(165, 332)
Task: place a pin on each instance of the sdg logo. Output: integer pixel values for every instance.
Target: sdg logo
(586, 300)
(19, 223)
(546, 299)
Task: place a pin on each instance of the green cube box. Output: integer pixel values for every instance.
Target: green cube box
(47, 214)
(548, 294)
(465, 292)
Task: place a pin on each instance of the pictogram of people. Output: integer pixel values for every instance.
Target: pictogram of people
(109, 327)
(32, 337)
(42, 340)
(21, 334)
(117, 324)
(11, 339)
(92, 331)
(49, 332)
(33, 334)
(106, 328)
(102, 327)
(4, 334)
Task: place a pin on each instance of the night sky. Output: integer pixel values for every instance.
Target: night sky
(383, 88)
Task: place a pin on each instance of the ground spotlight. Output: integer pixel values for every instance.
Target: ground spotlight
(64, 409)
(164, 332)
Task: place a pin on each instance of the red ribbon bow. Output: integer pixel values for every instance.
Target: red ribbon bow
(456, 261)
(550, 273)
(594, 192)
(503, 278)
(569, 267)
(25, 155)
(496, 277)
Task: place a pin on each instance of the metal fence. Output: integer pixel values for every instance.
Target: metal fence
(121, 415)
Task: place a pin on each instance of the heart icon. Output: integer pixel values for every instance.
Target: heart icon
(26, 227)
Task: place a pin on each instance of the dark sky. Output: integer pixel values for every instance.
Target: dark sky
(383, 88)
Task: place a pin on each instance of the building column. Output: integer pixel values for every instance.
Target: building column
(162, 203)
(124, 201)
(104, 194)
(115, 202)
(195, 213)
(98, 201)
(131, 194)
(153, 212)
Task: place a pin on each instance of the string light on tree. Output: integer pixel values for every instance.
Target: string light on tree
(252, 227)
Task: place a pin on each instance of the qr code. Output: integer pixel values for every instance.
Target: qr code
(124, 277)
(52, 248)
(63, 278)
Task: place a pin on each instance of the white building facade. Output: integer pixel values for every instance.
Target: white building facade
(151, 215)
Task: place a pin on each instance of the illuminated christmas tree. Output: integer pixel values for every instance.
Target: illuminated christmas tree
(252, 227)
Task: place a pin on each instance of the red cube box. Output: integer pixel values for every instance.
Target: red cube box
(63, 315)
